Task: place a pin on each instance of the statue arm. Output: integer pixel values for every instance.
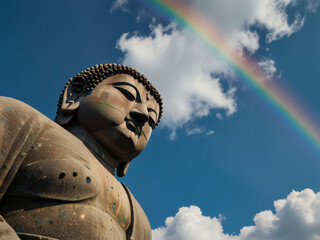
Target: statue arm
(6, 232)
(140, 227)
(20, 126)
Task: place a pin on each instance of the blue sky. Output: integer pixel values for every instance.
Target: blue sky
(220, 146)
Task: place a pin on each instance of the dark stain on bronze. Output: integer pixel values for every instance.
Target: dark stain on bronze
(62, 175)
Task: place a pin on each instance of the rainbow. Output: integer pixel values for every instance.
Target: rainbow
(246, 68)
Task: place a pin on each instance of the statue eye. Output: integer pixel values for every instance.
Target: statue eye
(151, 122)
(129, 95)
(152, 115)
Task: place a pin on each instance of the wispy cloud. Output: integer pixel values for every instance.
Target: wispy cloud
(194, 131)
(267, 65)
(210, 132)
(313, 5)
(219, 116)
(198, 130)
(119, 4)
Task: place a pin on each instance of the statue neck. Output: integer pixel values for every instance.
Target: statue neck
(109, 162)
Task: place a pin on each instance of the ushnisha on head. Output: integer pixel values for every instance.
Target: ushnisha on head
(116, 105)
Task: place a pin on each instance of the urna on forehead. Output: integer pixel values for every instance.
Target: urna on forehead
(91, 77)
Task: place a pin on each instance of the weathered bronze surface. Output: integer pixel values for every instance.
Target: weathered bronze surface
(57, 178)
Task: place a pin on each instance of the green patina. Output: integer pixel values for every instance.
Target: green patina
(114, 207)
(3, 122)
(38, 220)
(32, 137)
(123, 220)
(49, 221)
(8, 109)
(14, 169)
(62, 213)
(108, 105)
(4, 166)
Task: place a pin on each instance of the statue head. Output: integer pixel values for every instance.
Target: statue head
(116, 105)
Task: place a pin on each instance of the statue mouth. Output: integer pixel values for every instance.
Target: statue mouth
(133, 126)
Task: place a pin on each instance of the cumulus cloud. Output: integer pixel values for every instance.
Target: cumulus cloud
(190, 224)
(190, 77)
(296, 217)
(182, 70)
(267, 65)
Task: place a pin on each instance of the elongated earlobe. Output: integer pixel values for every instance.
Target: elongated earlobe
(122, 169)
(63, 119)
(70, 101)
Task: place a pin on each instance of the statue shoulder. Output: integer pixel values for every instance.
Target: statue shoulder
(56, 179)
(140, 227)
(59, 167)
(20, 126)
(13, 111)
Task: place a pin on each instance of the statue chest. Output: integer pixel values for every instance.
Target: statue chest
(63, 190)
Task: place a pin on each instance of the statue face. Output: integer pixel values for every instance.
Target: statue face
(120, 114)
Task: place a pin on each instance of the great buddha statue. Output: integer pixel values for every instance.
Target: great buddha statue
(57, 177)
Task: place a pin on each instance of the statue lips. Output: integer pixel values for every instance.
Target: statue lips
(133, 126)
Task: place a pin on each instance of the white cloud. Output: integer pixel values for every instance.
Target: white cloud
(234, 18)
(271, 14)
(267, 65)
(181, 69)
(190, 224)
(295, 218)
(197, 130)
(119, 4)
(138, 18)
(186, 72)
(219, 116)
(246, 39)
(313, 5)
(210, 132)
(193, 131)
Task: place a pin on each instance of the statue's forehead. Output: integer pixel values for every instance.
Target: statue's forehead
(124, 78)
(120, 78)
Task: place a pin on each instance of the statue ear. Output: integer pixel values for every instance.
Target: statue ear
(70, 100)
(122, 169)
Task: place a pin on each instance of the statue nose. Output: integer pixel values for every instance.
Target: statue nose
(140, 113)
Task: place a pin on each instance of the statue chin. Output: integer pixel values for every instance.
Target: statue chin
(122, 144)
